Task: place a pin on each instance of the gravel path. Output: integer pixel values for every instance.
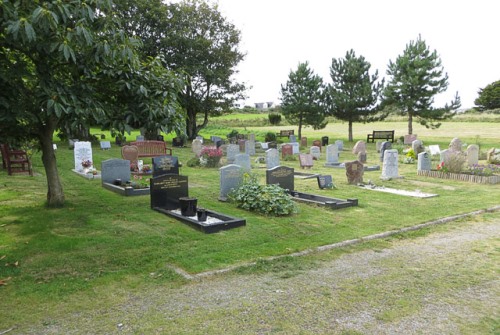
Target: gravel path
(426, 285)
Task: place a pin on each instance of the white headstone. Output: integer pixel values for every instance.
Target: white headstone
(424, 162)
(196, 146)
(315, 152)
(390, 165)
(434, 149)
(360, 146)
(295, 148)
(340, 144)
(332, 155)
(472, 154)
(83, 153)
(272, 158)
(105, 145)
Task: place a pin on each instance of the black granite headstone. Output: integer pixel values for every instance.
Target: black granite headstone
(167, 189)
(165, 165)
(281, 175)
(325, 181)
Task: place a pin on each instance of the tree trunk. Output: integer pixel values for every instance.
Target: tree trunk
(300, 126)
(410, 123)
(350, 131)
(55, 194)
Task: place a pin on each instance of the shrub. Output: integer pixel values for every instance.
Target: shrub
(290, 158)
(266, 199)
(210, 156)
(455, 162)
(193, 162)
(274, 118)
(270, 137)
(233, 133)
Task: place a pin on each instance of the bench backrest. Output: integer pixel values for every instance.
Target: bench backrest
(383, 133)
(286, 132)
(150, 148)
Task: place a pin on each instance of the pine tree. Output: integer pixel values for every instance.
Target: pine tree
(489, 97)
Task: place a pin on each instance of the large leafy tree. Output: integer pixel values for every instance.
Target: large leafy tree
(416, 77)
(489, 97)
(194, 39)
(67, 62)
(354, 93)
(303, 98)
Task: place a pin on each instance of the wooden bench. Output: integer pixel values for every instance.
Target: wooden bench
(285, 133)
(380, 135)
(152, 148)
(15, 161)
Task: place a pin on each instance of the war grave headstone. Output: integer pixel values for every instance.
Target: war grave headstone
(250, 147)
(472, 155)
(84, 165)
(424, 162)
(340, 145)
(105, 145)
(354, 171)
(325, 181)
(385, 146)
(115, 176)
(332, 155)
(243, 160)
(295, 148)
(165, 165)
(170, 196)
(417, 146)
(292, 138)
(306, 161)
(303, 142)
(231, 177)
(272, 158)
(360, 146)
(315, 152)
(390, 165)
(408, 139)
(232, 151)
(196, 147)
(286, 150)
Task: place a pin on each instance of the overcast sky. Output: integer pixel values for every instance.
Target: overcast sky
(278, 34)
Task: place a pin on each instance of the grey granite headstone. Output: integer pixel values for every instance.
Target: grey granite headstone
(232, 151)
(390, 165)
(325, 181)
(113, 169)
(272, 158)
(105, 145)
(472, 154)
(315, 152)
(340, 145)
(165, 165)
(281, 175)
(362, 157)
(243, 160)
(385, 146)
(332, 155)
(424, 162)
(139, 138)
(250, 147)
(417, 146)
(251, 137)
(293, 138)
(231, 177)
(167, 189)
(295, 148)
(196, 147)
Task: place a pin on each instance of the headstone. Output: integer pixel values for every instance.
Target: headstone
(272, 158)
(286, 150)
(139, 138)
(417, 146)
(315, 152)
(434, 149)
(472, 155)
(424, 162)
(165, 165)
(243, 160)
(295, 148)
(385, 146)
(455, 145)
(250, 147)
(332, 155)
(241, 144)
(232, 151)
(196, 147)
(264, 145)
(340, 145)
(354, 171)
(390, 165)
(251, 137)
(303, 142)
(166, 190)
(306, 160)
(325, 181)
(378, 145)
(83, 153)
(362, 157)
(113, 169)
(281, 175)
(408, 139)
(317, 143)
(360, 146)
(231, 177)
(493, 156)
(272, 145)
(105, 145)
(292, 138)
(200, 138)
(444, 156)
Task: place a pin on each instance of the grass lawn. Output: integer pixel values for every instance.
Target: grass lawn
(101, 241)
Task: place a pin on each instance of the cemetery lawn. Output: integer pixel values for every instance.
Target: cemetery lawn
(101, 245)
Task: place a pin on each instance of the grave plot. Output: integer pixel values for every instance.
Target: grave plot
(416, 193)
(170, 196)
(116, 178)
(84, 166)
(284, 177)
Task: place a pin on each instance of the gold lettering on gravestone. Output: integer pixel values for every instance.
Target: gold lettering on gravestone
(281, 173)
(354, 167)
(170, 183)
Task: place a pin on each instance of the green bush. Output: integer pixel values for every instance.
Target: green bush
(274, 118)
(193, 162)
(265, 199)
(290, 158)
(270, 137)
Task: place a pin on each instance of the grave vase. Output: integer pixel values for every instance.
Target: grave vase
(188, 206)
(202, 214)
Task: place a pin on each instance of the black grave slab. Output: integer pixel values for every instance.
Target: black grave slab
(126, 190)
(331, 203)
(166, 191)
(165, 165)
(281, 175)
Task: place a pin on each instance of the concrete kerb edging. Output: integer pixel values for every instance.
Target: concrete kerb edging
(386, 234)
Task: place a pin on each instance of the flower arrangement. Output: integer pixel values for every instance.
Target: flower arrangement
(210, 156)
(140, 182)
(410, 157)
(146, 168)
(484, 170)
(86, 163)
(442, 168)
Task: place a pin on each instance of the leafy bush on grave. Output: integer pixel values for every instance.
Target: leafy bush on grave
(265, 199)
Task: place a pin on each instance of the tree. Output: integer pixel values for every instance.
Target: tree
(303, 98)
(63, 63)
(194, 39)
(353, 94)
(415, 78)
(489, 97)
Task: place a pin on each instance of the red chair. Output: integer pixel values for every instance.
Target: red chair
(15, 161)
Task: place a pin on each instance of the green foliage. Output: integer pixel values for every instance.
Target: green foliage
(274, 118)
(233, 133)
(290, 158)
(265, 199)
(270, 137)
(210, 156)
(303, 98)
(193, 162)
(354, 93)
(489, 97)
(415, 78)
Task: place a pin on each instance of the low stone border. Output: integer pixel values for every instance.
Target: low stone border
(460, 176)
(346, 243)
